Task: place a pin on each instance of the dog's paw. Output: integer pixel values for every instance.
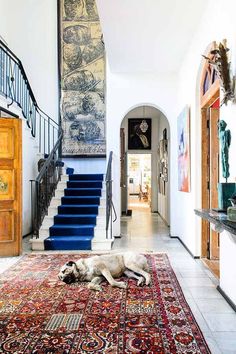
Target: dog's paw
(140, 282)
(95, 287)
(148, 280)
(122, 285)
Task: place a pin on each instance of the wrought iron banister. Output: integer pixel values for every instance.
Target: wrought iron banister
(14, 85)
(109, 203)
(43, 188)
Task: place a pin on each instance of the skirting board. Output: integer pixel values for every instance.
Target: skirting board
(226, 298)
(195, 257)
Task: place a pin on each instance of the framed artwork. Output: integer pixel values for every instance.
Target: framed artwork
(82, 79)
(183, 136)
(139, 133)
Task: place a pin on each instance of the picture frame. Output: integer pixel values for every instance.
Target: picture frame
(183, 139)
(139, 134)
(81, 61)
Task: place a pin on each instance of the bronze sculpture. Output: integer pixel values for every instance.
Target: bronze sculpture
(225, 141)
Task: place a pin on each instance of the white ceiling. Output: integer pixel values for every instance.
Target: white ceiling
(148, 35)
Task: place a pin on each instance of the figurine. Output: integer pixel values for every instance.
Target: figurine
(225, 140)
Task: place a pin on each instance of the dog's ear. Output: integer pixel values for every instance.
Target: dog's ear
(70, 263)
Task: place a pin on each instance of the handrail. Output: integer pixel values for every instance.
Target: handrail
(15, 85)
(45, 186)
(109, 203)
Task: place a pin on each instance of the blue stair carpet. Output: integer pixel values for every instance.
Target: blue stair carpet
(74, 224)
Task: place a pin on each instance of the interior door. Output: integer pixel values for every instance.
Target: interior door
(10, 187)
(214, 176)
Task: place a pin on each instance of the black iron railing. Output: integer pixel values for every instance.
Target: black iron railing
(14, 86)
(109, 203)
(43, 188)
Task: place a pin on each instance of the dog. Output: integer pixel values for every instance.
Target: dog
(109, 266)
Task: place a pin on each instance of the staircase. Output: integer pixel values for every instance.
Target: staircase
(76, 217)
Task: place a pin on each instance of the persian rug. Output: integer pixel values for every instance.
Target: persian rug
(41, 314)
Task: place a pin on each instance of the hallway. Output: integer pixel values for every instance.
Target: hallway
(146, 232)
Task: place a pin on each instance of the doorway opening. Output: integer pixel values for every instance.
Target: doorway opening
(145, 162)
(139, 181)
(210, 113)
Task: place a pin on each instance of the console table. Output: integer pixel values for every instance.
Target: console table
(227, 230)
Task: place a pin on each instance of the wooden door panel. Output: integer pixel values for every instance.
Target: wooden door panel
(214, 177)
(10, 187)
(7, 233)
(7, 143)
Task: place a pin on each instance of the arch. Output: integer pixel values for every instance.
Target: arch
(155, 171)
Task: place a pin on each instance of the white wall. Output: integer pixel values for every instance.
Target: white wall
(125, 92)
(87, 165)
(30, 30)
(164, 200)
(217, 23)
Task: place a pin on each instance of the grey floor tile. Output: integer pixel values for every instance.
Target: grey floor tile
(226, 341)
(219, 322)
(214, 306)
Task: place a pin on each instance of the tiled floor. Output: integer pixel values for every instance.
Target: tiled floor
(147, 232)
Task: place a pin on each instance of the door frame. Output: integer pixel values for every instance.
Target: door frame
(208, 97)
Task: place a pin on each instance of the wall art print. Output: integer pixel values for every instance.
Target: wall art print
(82, 79)
(183, 136)
(139, 133)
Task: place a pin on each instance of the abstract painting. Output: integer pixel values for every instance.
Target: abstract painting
(183, 136)
(82, 79)
(139, 134)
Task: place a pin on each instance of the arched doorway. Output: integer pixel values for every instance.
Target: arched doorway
(210, 112)
(144, 156)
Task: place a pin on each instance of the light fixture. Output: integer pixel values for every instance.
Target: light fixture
(144, 125)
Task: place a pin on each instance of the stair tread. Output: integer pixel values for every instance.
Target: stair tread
(78, 205)
(83, 189)
(80, 196)
(79, 226)
(86, 180)
(76, 215)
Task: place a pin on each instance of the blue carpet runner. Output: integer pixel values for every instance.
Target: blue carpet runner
(74, 224)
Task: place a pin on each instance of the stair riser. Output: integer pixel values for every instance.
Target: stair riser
(75, 220)
(77, 210)
(87, 231)
(80, 200)
(84, 184)
(82, 192)
(66, 246)
(90, 177)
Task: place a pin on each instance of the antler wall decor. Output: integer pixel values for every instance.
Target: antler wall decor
(220, 63)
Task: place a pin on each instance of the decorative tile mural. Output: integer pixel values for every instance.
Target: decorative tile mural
(183, 132)
(82, 79)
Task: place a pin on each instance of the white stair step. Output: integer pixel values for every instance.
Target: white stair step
(52, 211)
(44, 232)
(37, 244)
(55, 202)
(64, 178)
(102, 244)
(61, 185)
(48, 221)
(59, 193)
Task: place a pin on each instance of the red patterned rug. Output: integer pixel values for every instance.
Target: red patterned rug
(40, 314)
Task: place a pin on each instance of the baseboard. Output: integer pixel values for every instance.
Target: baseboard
(187, 249)
(165, 222)
(230, 302)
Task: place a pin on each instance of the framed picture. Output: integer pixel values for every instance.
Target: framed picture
(139, 134)
(82, 79)
(183, 136)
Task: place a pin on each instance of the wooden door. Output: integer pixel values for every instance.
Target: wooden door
(214, 176)
(10, 187)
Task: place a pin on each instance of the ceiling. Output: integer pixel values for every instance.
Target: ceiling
(148, 35)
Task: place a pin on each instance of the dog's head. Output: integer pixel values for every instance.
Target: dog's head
(68, 272)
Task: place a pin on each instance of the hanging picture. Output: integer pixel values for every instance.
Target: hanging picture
(82, 79)
(183, 137)
(139, 133)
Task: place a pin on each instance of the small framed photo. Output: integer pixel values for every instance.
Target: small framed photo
(139, 134)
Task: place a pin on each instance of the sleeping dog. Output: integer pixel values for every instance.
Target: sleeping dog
(95, 269)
